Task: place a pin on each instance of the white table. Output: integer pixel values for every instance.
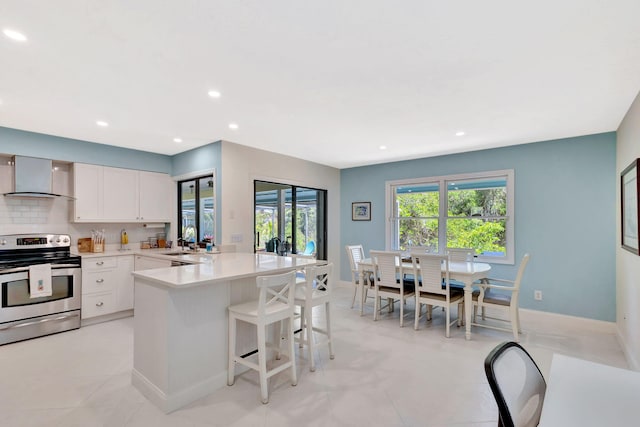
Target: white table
(582, 393)
(465, 272)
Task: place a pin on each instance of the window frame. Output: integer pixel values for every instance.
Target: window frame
(196, 176)
(391, 234)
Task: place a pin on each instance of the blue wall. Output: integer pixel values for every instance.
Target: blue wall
(14, 141)
(198, 159)
(565, 216)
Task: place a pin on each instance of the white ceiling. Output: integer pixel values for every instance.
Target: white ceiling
(327, 81)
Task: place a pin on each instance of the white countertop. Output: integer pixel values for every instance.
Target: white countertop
(213, 268)
(188, 256)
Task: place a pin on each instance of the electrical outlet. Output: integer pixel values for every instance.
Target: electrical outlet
(537, 295)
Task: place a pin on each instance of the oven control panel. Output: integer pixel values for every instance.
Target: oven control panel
(28, 241)
(24, 241)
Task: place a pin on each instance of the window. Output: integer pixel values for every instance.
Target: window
(461, 211)
(292, 216)
(196, 209)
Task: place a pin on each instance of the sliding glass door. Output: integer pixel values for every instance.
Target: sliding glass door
(290, 219)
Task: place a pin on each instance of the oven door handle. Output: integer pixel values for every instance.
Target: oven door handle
(35, 322)
(25, 269)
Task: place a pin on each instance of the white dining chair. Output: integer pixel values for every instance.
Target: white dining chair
(426, 249)
(432, 290)
(388, 282)
(355, 254)
(461, 254)
(313, 292)
(502, 295)
(275, 304)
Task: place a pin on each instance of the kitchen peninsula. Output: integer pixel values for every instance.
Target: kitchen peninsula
(180, 323)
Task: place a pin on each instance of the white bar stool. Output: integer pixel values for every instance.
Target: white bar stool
(311, 293)
(275, 304)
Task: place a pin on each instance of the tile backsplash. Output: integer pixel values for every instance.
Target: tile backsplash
(32, 215)
(21, 215)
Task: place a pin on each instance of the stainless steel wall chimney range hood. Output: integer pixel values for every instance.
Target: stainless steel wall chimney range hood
(32, 177)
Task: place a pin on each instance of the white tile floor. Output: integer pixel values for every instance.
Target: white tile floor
(382, 376)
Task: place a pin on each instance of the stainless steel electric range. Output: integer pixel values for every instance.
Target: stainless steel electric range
(23, 314)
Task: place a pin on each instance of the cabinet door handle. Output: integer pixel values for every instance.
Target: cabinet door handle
(99, 304)
(100, 263)
(99, 280)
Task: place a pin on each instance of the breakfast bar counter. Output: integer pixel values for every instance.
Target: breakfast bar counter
(180, 323)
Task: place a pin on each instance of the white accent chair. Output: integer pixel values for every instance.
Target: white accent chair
(388, 282)
(275, 304)
(431, 290)
(503, 297)
(314, 291)
(356, 254)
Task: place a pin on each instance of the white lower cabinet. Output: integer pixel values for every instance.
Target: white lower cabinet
(107, 285)
(147, 263)
(97, 304)
(124, 291)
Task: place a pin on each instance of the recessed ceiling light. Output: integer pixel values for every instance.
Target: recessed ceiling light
(383, 147)
(14, 35)
(460, 133)
(178, 140)
(214, 94)
(233, 126)
(102, 123)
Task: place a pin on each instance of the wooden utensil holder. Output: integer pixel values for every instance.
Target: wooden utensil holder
(84, 244)
(97, 247)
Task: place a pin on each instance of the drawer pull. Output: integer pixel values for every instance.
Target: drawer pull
(99, 280)
(100, 263)
(99, 304)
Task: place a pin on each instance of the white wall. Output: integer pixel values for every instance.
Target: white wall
(242, 165)
(628, 264)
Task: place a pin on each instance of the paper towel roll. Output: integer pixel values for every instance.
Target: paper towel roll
(154, 225)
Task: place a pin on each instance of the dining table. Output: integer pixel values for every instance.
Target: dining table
(466, 272)
(583, 393)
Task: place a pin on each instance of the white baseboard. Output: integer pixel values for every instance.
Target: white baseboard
(169, 403)
(106, 317)
(628, 354)
(582, 322)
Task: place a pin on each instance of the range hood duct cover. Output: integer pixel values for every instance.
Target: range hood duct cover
(32, 177)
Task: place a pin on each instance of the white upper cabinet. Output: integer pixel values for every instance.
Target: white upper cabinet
(120, 194)
(87, 190)
(156, 196)
(106, 194)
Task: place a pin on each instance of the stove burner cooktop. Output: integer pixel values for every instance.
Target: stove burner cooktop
(23, 250)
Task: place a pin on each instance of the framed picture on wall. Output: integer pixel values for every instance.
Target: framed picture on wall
(361, 211)
(630, 207)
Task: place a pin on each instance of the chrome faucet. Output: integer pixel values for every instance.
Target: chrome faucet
(192, 246)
